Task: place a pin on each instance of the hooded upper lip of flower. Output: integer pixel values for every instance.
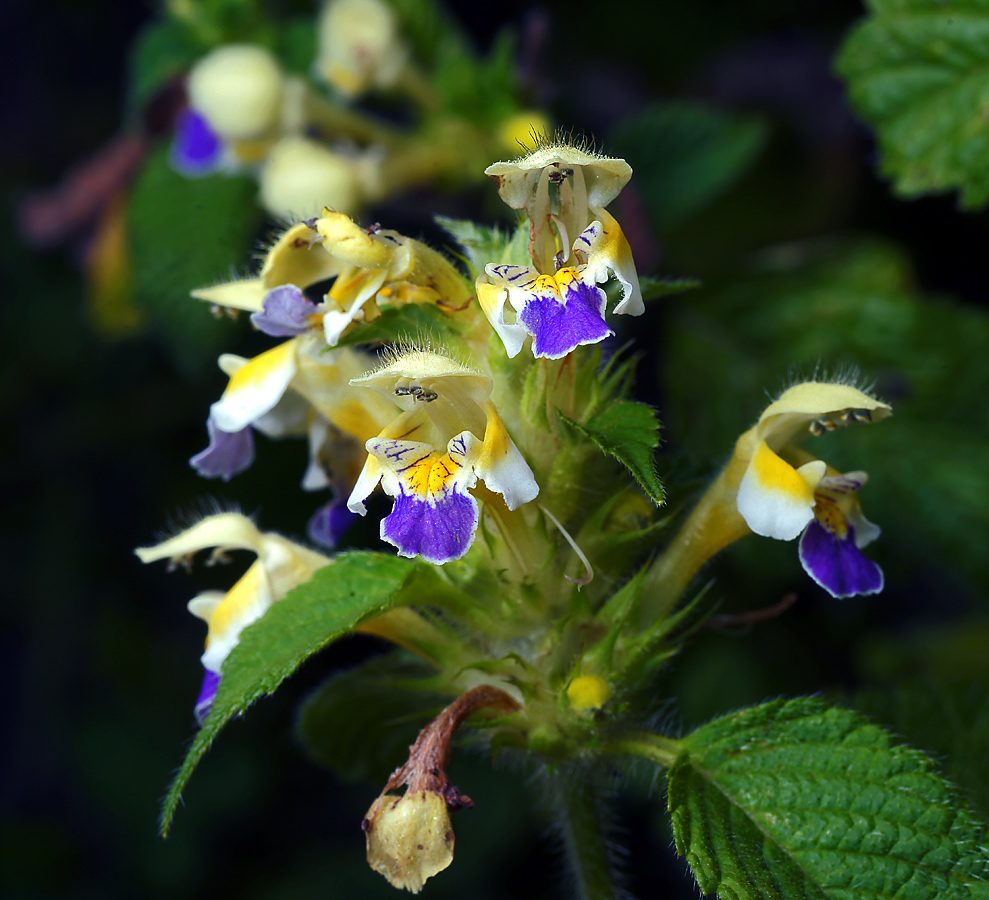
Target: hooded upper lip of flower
(783, 491)
(563, 188)
(431, 454)
(367, 264)
(281, 564)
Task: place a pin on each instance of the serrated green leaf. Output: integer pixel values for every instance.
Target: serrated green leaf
(918, 72)
(418, 321)
(186, 233)
(797, 799)
(654, 288)
(359, 723)
(341, 595)
(482, 245)
(629, 432)
(694, 153)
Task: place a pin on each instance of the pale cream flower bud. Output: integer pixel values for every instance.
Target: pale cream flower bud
(409, 838)
(301, 176)
(238, 89)
(360, 47)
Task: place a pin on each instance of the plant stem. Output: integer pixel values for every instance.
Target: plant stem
(579, 810)
(654, 747)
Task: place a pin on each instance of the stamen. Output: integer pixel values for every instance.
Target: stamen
(588, 568)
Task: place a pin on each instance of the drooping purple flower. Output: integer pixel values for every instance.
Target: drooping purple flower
(228, 453)
(836, 563)
(285, 312)
(196, 149)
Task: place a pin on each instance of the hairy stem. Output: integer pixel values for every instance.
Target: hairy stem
(580, 810)
(654, 747)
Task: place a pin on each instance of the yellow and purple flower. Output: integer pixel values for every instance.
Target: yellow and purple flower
(563, 309)
(432, 454)
(574, 245)
(370, 267)
(784, 492)
(280, 565)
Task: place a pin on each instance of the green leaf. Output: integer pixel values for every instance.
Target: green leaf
(186, 233)
(418, 321)
(918, 72)
(685, 155)
(360, 723)
(482, 245)
(796, 799)
(629, 432)
(341, 595)
(161, 51)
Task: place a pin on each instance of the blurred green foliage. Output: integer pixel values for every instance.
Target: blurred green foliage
(690, 153)
(916, 71)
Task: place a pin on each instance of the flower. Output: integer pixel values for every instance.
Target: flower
(574, 245)
(359, 46)
(281, 564)
(370, 266)
(563, 188)
(564, 309)
(783, 492)
(277, 392)
(301, 176)
(431, 455)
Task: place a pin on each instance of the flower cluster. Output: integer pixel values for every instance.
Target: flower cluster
(502, 467)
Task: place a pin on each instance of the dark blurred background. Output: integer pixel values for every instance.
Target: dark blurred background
(753, 176)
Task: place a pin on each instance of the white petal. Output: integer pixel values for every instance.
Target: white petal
(774, 498)
(255, 388)
(499, 464)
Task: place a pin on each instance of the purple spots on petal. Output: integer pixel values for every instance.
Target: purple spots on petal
(329, 523)
(436, 533)
(228, 453)
(207, 693)
(196, 149)
(284, 313)
(838, 565)
(557, 328)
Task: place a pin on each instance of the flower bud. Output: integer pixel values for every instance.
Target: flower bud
(409, 838)
(359, 46)
(301, 176)
(238, 89)
(587, 692)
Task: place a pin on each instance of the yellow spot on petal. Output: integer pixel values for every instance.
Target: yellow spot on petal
(431, 474)
(272, 363)
(831, 517)
(243, 603)
(776, 475)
